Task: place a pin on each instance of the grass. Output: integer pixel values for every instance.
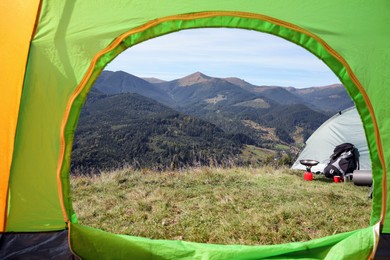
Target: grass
(282, 147)
(258, 152)
(256, 155)
(224, 206)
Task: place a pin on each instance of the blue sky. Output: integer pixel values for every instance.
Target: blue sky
(260, 59)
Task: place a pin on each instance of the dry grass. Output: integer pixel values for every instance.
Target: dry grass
(225, 206)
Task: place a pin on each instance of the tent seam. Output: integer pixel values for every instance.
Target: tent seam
(70, 240)
(376, 231)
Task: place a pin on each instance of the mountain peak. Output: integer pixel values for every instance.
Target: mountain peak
(193, 78)
(238, 82)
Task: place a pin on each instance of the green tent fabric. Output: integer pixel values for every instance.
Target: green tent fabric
(91, 243)
(64, 45)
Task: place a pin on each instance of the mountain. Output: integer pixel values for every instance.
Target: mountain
(329, 99)
(278, 94)
(194, 120)
(153, 80)
(198, 89)
(239, 82)
(192, 79)
(130, 129)
(121, 82)
(332, 98)
(231, 102)
(234, 101)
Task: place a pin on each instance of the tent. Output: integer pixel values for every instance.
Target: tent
(53, 51)
(344, 127)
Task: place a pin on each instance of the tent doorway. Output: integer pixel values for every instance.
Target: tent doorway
(211, 99)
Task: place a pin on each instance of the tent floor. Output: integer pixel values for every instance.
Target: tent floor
(35, 245)
(383, 251)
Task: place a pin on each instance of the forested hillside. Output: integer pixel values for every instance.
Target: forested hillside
(195, 120)
(129, 129)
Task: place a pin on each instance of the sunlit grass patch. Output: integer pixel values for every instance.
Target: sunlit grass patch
(225, 206)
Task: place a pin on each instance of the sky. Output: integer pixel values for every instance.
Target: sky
(258, 58)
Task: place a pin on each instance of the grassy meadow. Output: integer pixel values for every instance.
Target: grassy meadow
(239, 205)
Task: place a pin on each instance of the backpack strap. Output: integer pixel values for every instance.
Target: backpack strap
(356, 157)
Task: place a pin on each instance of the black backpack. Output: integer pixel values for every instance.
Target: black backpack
(344, 160)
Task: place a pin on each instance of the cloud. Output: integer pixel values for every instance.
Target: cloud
(258, 58)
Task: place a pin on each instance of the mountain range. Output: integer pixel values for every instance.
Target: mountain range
(228, 101)
(122, 108)
(329, 99)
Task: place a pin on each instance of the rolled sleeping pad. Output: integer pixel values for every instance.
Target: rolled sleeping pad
(362, 177)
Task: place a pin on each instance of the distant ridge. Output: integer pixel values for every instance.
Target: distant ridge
(120, 82)
(238, 81)
(330, 98)
(154, 80)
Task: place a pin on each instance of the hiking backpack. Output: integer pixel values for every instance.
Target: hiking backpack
(345, 159)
